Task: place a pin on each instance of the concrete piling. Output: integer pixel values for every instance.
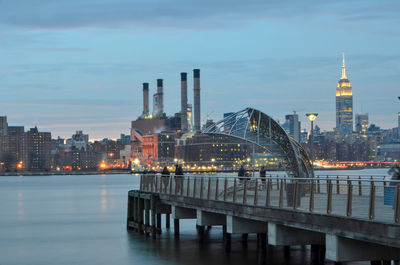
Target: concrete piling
(167, 221)
(176, 228)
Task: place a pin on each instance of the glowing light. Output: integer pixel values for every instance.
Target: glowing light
(312, 116)
(20, 165)
(103, 166)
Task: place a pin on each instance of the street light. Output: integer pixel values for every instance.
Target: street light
(312, 117)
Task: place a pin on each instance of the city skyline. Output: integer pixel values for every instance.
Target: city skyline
(83, 69)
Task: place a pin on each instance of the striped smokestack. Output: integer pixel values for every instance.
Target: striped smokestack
(196, 92)
(184, 125)
(160, 94)
(145, 99)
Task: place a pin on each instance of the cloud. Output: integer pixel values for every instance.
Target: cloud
(47, 14)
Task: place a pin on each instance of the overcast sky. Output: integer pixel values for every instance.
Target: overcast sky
(80, 64)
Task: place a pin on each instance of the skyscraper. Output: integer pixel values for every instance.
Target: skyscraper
(293, 125)
(361, 122)
(344, 103)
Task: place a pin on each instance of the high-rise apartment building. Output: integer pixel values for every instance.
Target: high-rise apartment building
(3, 125)
(36, 148)
(344, 103)
(362, 122)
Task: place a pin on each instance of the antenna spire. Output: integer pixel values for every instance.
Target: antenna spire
(344, 74)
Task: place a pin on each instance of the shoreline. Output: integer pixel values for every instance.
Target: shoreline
(66, 173)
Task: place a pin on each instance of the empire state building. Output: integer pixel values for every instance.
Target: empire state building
(344, 103)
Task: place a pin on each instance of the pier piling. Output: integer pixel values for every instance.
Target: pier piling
(176, 228)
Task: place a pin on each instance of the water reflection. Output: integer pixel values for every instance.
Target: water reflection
(20, 205)
(103, 200)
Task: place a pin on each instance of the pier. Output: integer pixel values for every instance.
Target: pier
(342, 218)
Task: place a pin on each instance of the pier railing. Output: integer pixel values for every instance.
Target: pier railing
(361, 197)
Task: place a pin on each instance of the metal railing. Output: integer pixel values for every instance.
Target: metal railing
(363, 197)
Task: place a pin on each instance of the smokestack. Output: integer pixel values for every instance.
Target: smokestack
(145, 99)
(160, 109)
(184, 126)
(196, 92)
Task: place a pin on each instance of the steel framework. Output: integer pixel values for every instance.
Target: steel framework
(256, 127)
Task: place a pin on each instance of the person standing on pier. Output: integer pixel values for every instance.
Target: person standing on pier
(241, 173)
(165, 177)
(179, 178)
(263, 174)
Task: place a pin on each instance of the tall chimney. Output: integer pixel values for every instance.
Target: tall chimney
(196, 92)
(160, 109)
(145, 99)
(184, 126)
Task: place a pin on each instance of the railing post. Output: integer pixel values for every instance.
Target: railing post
(359, 186)
(201, 187)
(329, 201)
(268, 193)
(311, 208)
(281, 196)
(194, 187)
(397, 204)
(296, 191)
(141, 183)
(209, 189)
(152, 183)
(182, 184)
(349, 204)
(216, 189)
(245, 191)
(337, 185)
(372, 202)
(170, 185)
(156, 183)
(188, 187)
(256, 192)
(225, 187)
(277, 182)
(318, 186)
(234, 190)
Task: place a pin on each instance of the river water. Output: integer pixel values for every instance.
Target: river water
(62, 220)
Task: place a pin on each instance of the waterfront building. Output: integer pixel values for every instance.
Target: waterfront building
(3, 125)
(362, 122)
(159, 147)
(202, 149)
(82, 160)
(344, 103)
(11, 147)
(36, 147)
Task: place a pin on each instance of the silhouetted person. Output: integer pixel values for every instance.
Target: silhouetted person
(165, 178)
(179, 178)
(263, 174)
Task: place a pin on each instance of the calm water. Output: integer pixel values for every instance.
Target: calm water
(82, 220)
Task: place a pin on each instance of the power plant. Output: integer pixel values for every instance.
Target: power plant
(158, 121)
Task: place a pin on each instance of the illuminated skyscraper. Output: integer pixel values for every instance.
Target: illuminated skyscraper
(344, 103)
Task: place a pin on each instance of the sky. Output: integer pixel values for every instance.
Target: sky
(80, 64)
